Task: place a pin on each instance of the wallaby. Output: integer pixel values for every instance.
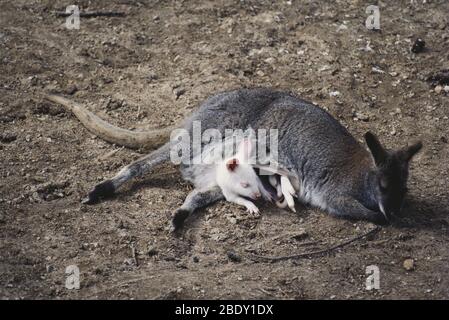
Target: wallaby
(330, 168)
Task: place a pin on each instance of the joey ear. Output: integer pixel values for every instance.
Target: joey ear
(232, 164)
(245, 149)
(408, 152)
(377, 150)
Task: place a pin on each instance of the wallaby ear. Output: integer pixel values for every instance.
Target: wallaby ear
(232, 164)
(377, 150)
(245, 149)
(408, 152)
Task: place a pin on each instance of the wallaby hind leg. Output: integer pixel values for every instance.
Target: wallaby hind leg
(195, 200)
(136, 169)
(347, 207)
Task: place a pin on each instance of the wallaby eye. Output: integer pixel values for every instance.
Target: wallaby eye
(244, 184)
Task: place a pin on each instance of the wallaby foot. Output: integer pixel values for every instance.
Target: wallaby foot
(103, 190)
(179, 217)
(136, 169)
(195, 200)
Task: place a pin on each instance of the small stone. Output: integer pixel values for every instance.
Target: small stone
(361, 116)
(446, 89)
(409, 264)
(8, 137)
(418, 46)
(179, 92)
(71, 89)
(49, 268)
(438, 89)
(196, 259)
(334, 93)
(152, 76)
(233, 256)
(377, 70)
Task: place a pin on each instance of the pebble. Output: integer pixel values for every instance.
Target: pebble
(8, 137)
(334, 93)
(71, 89)
(409, 264)
(361, 116)
(233, 256)
(418, 46)
(179, 92)
(377, 70)
(438, 89)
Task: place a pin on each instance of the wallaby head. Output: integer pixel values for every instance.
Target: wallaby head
(238, 175)
(391, 173)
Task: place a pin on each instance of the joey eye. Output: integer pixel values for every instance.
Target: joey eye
(244, 184)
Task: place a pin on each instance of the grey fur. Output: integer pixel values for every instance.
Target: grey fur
(335, 172)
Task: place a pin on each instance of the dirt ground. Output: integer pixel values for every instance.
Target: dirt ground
(150, 69)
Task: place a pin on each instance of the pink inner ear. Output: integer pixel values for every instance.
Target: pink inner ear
(245, 148)
(232, 164)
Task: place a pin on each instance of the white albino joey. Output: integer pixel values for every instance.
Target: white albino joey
(238, 181)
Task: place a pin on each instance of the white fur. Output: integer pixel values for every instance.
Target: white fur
(230, 181)
(284, 188)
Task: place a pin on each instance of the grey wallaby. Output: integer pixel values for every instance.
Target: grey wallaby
(333, 171)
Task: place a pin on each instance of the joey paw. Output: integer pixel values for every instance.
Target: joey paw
(251, 208)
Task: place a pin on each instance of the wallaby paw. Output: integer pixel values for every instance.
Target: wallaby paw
(251, 208)
(105, 189)
(178, 219)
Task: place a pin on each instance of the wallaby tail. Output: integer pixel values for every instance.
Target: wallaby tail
(132, 139)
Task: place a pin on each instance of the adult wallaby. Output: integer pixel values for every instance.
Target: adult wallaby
(332, 170)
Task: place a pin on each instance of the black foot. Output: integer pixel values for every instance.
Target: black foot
(380, 219)
(179, 217)
(105, 189)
